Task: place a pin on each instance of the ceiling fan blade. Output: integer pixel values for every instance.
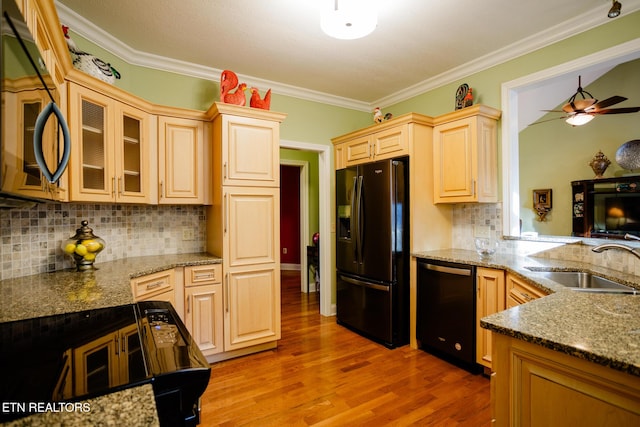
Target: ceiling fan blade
(616, 110)
(607, 102)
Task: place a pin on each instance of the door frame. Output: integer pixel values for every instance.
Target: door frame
(325, 215)
(304, 217)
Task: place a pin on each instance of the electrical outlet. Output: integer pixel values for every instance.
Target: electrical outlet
(483, 231)
(187, 233)
(284, 251)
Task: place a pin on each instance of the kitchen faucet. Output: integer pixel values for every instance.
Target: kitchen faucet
(607, 246)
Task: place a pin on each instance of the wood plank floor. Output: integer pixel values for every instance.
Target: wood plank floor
(322, 374)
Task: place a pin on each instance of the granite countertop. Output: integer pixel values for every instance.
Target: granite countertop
(70, 291)
(599, 327)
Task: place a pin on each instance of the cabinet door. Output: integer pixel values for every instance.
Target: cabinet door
(90, 125)
(131, 361)
(181, 161)
(519, 292)
(390, 143)
(204, 317)
(96, 364)
(132, 152)
(252, 307)
(454, 166)
(490, 299)
(358, 151)
(251, 226)
(251, 155)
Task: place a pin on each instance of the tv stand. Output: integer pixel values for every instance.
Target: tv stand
(590, 216)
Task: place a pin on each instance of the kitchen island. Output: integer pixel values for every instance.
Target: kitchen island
(69, 291)
(570, 355)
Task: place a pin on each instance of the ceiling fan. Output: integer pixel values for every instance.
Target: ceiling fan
(581, 111)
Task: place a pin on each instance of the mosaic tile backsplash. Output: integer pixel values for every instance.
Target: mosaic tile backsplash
(30, 239)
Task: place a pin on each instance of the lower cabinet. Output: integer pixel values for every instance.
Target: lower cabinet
(535, 386)
(203, 312)
(490, 299)
(159, 286)
(520, 292)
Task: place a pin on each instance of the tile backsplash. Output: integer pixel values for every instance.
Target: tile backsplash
(30, 239)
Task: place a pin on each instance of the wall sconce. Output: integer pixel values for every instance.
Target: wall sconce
(348, 19)
(542, 203)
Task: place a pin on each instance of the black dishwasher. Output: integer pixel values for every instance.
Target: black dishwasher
(446, 311)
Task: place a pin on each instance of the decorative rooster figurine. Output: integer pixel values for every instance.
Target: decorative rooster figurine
(228, 81)
(89, 63)
(256, 102)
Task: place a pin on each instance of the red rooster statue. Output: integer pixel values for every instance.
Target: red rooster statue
(89, 63)
(228, 81)
(256, 102)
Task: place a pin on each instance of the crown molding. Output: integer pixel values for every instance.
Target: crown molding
(576, 25)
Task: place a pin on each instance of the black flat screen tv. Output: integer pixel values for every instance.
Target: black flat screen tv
(622, 214)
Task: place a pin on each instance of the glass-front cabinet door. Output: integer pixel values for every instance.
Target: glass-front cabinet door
(110, 155)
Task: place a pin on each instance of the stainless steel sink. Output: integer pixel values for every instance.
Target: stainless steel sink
(586, 282)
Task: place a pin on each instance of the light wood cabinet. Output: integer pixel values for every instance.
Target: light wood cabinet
(243, 224)
(465, 152)
(203, 311)
(538, 387)
(160, 286)
(384, 143)
(183, 149)
(111, 150)
(520, 292)
(490, 299)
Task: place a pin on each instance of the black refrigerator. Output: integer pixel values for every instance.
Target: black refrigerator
(372, 250)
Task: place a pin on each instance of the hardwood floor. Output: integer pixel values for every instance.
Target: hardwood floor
(322, 374)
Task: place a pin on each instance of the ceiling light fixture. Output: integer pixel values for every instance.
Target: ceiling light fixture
(615, 9)
(348, 19)
(579, 119)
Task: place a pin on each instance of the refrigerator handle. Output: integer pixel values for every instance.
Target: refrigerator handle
(360, 220)
(354, 223)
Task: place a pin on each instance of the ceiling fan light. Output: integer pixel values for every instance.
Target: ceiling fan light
(615, 9)
(348, 19)
(579, 119)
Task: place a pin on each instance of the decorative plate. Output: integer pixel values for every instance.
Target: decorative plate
(460, 94)
(628, 154)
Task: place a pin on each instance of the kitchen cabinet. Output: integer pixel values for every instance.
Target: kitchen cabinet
(183, 165)
(243, 224)
(21, 172)
(203, 311)
(111, 151)
(490, 297)
(537, 386)
(160, 286)
(465, 152)
(383, 143)
(520, 292)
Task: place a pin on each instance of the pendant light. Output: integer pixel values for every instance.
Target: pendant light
(579, 119)
(348, 19)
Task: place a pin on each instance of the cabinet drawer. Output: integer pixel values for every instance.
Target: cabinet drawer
(202, 274)
(153, 284)
(521, 292)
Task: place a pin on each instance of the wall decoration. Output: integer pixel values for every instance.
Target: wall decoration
(256, 102)
(599, 164)
(228, 82)
(89, 63)
(542, 203)
(628, 155)
(378, 117)
(461, 93)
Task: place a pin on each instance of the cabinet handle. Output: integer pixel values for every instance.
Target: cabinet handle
(113, 186)
(161, 189)
(123, 348)
(120, 185)
(224, 170)
(226, 292)
(204, 276)
(155, 284)
(188, 304)
(473, 187)
(224, 213)
(117, 345)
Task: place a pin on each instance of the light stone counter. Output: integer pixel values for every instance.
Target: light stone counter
(602, 328)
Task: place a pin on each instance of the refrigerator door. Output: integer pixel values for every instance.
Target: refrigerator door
(346, 186)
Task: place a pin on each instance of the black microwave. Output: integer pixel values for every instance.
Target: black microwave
(34, 135)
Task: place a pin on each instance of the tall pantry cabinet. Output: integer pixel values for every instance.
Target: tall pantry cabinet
(243, 224)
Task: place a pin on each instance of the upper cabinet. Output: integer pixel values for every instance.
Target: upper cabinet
(111, 150)
(465, 154)
(384, 141)
(183, 153)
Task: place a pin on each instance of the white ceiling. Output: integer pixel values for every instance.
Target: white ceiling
(418, 44)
